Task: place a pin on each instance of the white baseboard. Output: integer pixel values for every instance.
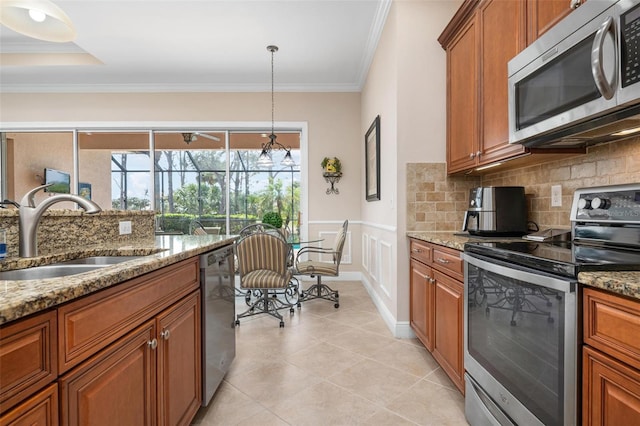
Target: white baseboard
(399, 329)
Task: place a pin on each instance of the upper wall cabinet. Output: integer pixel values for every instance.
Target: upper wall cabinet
(544, 14)
(480, 40)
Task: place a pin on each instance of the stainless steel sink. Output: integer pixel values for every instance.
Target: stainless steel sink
(66, 268)
(100, 260)
(47, 271)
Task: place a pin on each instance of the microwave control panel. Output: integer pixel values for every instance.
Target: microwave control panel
(630, 46)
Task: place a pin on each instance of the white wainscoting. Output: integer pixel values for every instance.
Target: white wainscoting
(373, 258)
(385, 278)
(365, 252)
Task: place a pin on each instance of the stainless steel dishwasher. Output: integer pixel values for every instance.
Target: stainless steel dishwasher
(218, 316)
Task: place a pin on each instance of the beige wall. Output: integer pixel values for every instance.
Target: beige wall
(406, 86)
(333, 128)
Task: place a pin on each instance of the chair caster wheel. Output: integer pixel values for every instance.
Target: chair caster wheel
(237, 322)
(513, 323)
(291, 311)
(299, 305)
(281, 324)
(337, 305)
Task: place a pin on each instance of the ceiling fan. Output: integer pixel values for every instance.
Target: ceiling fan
(192, 136)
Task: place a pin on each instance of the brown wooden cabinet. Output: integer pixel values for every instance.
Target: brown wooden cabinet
(496, 18)
(480, 40)
(122, 376)
(436, 305)
(422, 313)
(27, 357)
(477, 101)
(447, 348)
(611, 359)
(128, 355)
(462, 99)
(544, 14)
(152, 375)
(179, 363)
(40, 409)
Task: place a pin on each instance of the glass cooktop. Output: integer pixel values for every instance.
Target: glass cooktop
(561, 258)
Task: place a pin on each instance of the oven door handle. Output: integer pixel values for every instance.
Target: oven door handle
(537, 278)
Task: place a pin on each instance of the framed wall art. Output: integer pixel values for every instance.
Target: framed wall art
(372, 160)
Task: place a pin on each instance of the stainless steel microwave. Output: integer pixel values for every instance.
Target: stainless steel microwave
(578, 84)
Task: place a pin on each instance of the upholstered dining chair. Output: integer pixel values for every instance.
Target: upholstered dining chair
(319, 269)
(262, 265)
(291, 294)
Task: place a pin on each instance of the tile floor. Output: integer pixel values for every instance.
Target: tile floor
(331, 366)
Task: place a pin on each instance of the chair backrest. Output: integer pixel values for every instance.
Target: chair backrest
(264, 228)
(338, 243)
(260, 251)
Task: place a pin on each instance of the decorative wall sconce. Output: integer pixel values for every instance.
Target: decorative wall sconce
(332, 172)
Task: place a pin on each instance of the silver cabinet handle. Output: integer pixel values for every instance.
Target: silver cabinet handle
(472, 155)
(153, 343)
(607, 88)
(575, 4)
(443, 261)
(416, 251)
(432, 280)
(479, 153)
(165, 334)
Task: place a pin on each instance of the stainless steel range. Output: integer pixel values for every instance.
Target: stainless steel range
(521, 310)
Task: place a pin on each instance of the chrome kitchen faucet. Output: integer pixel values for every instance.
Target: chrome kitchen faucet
(30, 214)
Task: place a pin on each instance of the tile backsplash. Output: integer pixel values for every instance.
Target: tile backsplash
(436, 202)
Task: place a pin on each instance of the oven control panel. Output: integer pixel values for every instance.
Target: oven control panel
(618, 204)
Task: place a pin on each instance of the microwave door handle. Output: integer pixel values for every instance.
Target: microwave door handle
(597, 69)
(464, 221)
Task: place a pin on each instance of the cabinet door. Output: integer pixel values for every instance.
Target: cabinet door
(497, 18)
(421, 307)
(179, 363)
(544, 14)
(462, 100)
(611, 391)
(448, 334)
(39, 410)
(27, 357)
(115, 387)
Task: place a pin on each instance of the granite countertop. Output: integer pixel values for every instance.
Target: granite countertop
(626, 283)
(25, 297)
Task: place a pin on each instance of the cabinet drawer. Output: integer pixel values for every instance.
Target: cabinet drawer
(27, 357)
(420, 251)
(448, 261)
(92, 323)
(612, 324)
(39, 410)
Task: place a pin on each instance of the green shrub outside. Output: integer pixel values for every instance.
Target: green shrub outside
(180, 222)
(273, 218)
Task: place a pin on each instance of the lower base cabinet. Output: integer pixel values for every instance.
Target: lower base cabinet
(150, 376)
(437, 303)
(610, 359)
(447, 348)
(612, 392)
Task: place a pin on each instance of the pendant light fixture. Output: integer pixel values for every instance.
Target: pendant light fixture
(40, 19)
(265, 160)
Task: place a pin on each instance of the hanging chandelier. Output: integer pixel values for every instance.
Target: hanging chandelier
(265, 159)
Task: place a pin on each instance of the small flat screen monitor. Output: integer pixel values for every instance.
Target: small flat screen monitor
(61, 181)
